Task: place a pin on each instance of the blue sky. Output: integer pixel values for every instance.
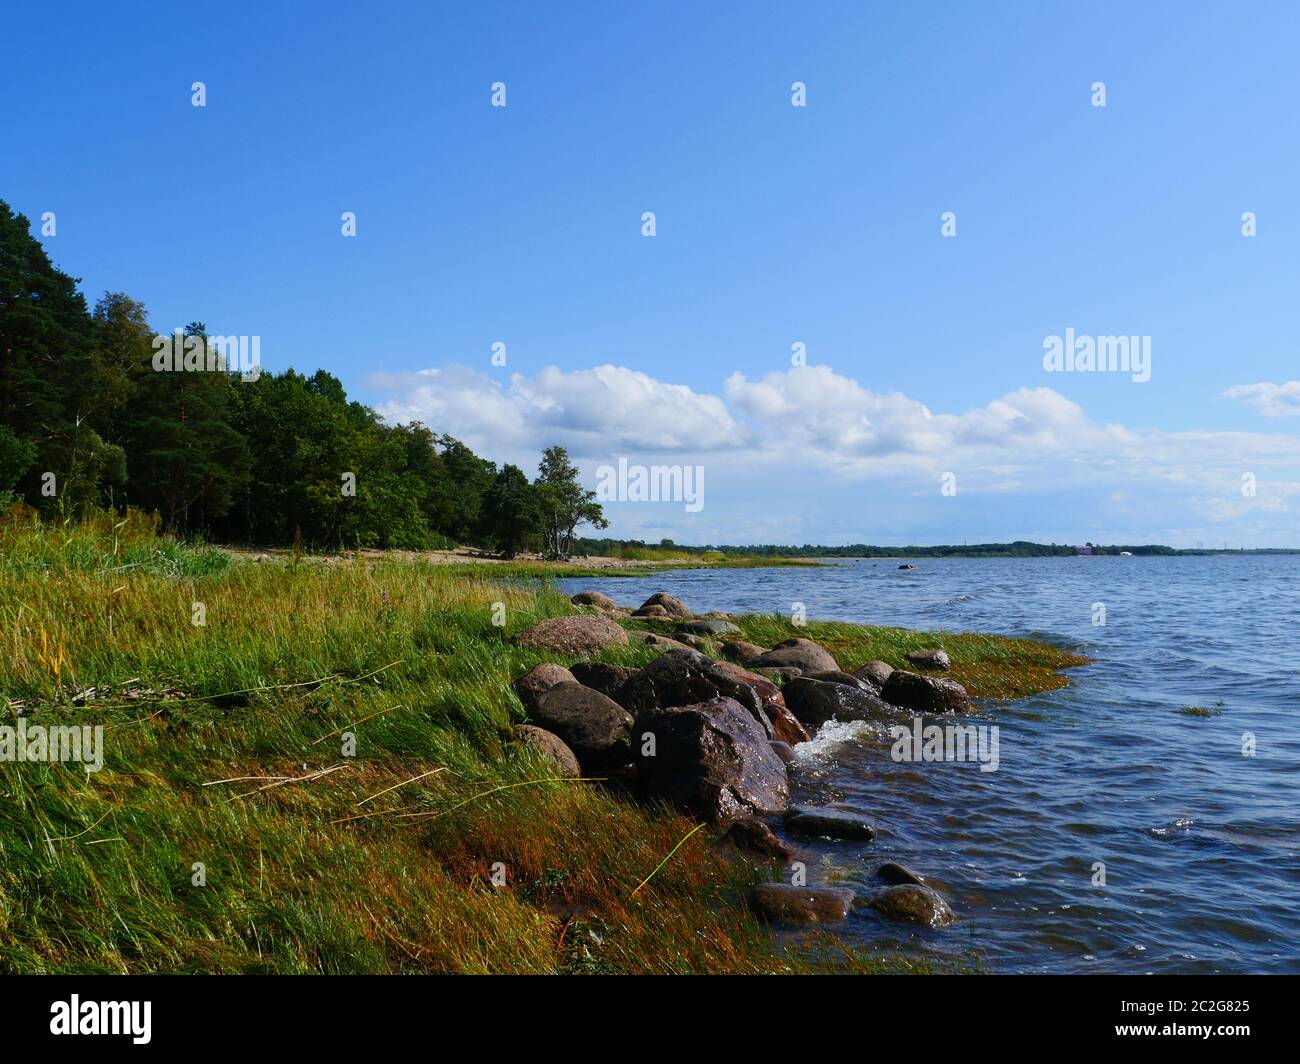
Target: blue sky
(775, 225)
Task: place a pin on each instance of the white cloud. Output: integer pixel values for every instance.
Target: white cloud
(1271, 400)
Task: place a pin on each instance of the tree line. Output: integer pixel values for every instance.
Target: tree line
(88, 421)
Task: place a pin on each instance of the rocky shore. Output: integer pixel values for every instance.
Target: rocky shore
(711, 725)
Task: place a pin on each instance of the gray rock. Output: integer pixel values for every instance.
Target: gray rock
(929, 659)
(822, 822)
(579, 634)
(783, 903)
(847, 679)
(675, 607)
(875, 673)
(814, 702)
(712, 759)
(595, 728)
(913, 903)
(554, 749)
(802, 654)
(709, 627)
(602, 677)
(539, 679)
(924, 694)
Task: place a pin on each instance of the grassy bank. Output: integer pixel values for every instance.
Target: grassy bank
(225, 748)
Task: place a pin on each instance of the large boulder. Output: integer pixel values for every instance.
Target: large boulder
(593, 598)
(595, 728)
(785, 725)
(924, 694)
(602, 677)
(814, 702)
(802, 654)
(914, 903)
(819, 821)
(783, 903)
(929, 659)
(875, 673)
(551, 747)
(579, 634)
(711, 758)
(674, 607)
(538, 680)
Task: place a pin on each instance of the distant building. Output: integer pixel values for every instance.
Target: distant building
(1083, 550)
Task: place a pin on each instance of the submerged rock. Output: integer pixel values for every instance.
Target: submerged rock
(894, 873)
(828, 823)
(579, 634)
(783, 903)
(711, 758)
(538, 680)
(550, 746)
(597, 729)
(915, 904)
(802, 654)
(924, 694)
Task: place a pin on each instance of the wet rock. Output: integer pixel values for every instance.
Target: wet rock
(754, 836)
(822, 822)
(924, 694)
(593, 598)
(683, 678)
(847, 679)
(674, 607)
(875, 673)
(741, 652)
(913, 903)
(785, 725)
(712, 759)
(539, 679)
(579, 634)
(907, 566)
(814, 702)
(551, 747)
(802, 654)
(894, 873)
(783, 903)
(595, 728)
(929, 659)
(602, 677)
(782, 750)
(710, 627)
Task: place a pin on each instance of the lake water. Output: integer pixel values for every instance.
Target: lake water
(1201, 844)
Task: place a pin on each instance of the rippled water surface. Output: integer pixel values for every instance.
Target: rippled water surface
(1201, 845)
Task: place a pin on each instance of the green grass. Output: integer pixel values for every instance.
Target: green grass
(363, 869)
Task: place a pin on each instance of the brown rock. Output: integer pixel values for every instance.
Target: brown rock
(751, 834)
(551, 747)
(597, 729)
(915, 904)
(593, 598)
(802, 654)
(539, 679)
(579, 634)
(740, 652)
(783, 903)
(674, 607)
(925, 694)
(929, 659)
(874, 673)
(785, 725)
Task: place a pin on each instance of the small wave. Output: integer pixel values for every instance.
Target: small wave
(1181, 826)
(832, 734)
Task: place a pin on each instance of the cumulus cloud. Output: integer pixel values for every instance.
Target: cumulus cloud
(1271, 400)
(809, 433)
